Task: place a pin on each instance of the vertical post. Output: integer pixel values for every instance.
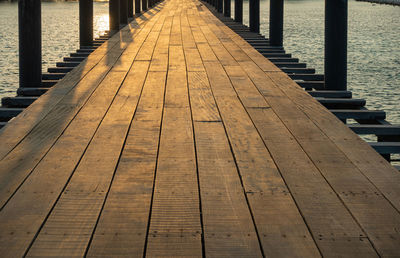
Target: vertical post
(227, 8)
(254, 9)
(30, 43)
(114, 16)
(144, 5)
(86, 22)
(137, 7)
(238, 10)
(130, 9)
(336, 44)
(276, 23)
(220, 5)
(123, 11)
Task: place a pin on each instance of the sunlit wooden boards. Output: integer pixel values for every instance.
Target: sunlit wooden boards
(178, 139)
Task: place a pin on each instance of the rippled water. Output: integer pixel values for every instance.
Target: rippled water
(60, 36)
(373, 47)
(374, 43)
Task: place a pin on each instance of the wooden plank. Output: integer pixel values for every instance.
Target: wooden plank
(25, 122)
(87, 189)
(280, 235)
(228, 226)
(363, 248)
(367, 190)
(32, 201)
(22, 160)
(40, 191)
(124, 220)
(278, 238)
(175, 223)
(159, 62)
(322, 210)
(201, 97)
(316, 145)
(258, 58)
(84, 195)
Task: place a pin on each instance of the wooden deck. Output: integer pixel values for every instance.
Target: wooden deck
(176, 138)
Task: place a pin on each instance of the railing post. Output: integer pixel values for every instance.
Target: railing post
(30, 43)
(130, 9)
(239, 10)
(123, 12)
(114, 16)
(276, 23)
(254, 9)
(336, 44)
(227, 8)
(86, 22)
(144, 5)
(219, 4)
(137, 7)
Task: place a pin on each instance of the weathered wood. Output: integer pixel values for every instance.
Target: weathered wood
(30, 43)
(24, 123)
(58, 163)
(86, 22)
(175, 225)
(323, 244)
(202, 147)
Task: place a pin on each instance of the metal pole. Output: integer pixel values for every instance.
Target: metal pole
(227, 8)
(86, 22)
(137, 7)
(239, 10)
(276, 23)
(144, 5)
(336, 44)
(123, 11)
(254, 8)
(30, 43)
(114, 16)
(130, 9)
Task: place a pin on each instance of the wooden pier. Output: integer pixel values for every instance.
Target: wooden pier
(177, 138)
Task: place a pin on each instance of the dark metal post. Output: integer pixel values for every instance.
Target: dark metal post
(254, 9)
(239, 10)
(276, 23)
(227, 8)
(144, 5)
(137, 7)
(220, 6)
(130, 9)
(336, 44)
(123, 11)
(114, 16)
(86, 22)
(30, 43)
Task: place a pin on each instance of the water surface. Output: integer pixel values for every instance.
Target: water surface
(60, 36)
(373, 46)
(373, 51)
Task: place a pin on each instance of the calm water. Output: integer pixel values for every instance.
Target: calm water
(60, 28)
(373, 47)
(374, 43)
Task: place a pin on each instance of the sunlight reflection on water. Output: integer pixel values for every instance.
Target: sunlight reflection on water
(373, 46)
(60, 36)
